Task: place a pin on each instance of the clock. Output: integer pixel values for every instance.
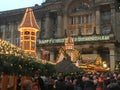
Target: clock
(106, 30)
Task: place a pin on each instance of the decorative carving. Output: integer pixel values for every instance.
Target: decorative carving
(81, 7)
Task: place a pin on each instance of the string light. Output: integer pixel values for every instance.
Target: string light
(20, 62)
(7, 48)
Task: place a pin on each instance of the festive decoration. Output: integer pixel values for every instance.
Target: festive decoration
(76, 55)
(15, 65)
(15, 61)
(98, 61)
(7, 48)
(28, 29)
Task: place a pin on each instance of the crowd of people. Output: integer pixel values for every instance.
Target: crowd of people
(96, 81)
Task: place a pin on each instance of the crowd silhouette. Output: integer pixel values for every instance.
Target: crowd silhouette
(94, 81)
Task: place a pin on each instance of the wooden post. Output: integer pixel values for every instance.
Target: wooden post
(11, 82)
(15, 82)
(4, 82)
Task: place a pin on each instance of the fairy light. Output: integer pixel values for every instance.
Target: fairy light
(7, 48)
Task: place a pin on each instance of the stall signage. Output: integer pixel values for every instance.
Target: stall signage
(75, 39)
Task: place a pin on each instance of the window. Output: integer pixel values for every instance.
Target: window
(32, 38)
(73, 20)
(32, 33)
(88, 18)
(26, 37)
(106, 15)
(81, 19)
(54, 34)
(84, 23)
(27, 45)
(89, 31)
(27, 32)
(32, 46)
(82, 31)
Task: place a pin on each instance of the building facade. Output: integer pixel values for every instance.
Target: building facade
(93, 24)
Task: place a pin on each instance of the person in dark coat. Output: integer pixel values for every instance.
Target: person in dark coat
(113, 86)
(41, 83)
(68, 84)
(60, 84)
(76, 85)
(89, 85)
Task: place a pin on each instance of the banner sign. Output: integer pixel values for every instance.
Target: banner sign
(75, 39)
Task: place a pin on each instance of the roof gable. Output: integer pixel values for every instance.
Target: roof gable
(29, 19)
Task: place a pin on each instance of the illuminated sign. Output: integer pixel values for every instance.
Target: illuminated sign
(76, 39)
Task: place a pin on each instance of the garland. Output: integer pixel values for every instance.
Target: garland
(15, 65)
(15, 61)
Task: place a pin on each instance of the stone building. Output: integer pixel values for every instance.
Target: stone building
(93, 24)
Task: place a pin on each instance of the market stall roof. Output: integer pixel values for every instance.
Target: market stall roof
(8, 48)
(66, 66)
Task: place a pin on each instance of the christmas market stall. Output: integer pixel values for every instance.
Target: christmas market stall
(14, 62)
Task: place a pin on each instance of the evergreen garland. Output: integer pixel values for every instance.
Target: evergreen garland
(15, 65)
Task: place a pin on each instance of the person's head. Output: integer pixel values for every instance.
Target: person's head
(67, 78)
(113, 86)
(27, 85)
(35, 86)
(75, 82)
